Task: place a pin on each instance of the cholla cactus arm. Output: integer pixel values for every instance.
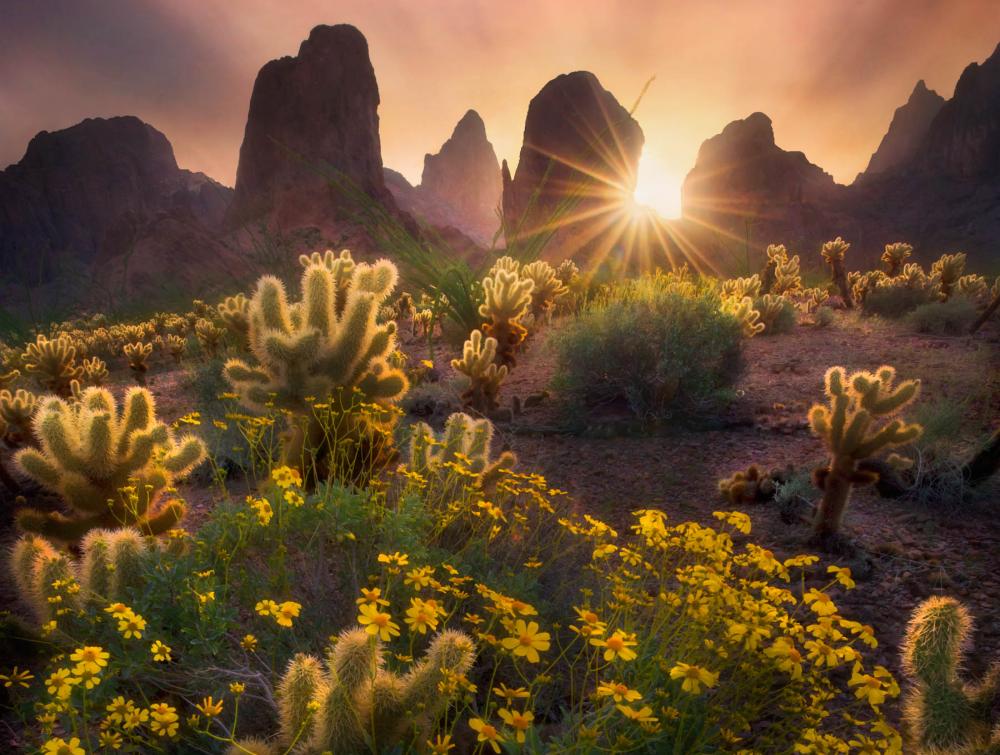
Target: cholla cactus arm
(303, 682)
(833, 253)
(485, 377)
(109, 469)
(95, 371)
(465, 440)
(235, 313)
(506, 264)
(7, 378)
(745, 315)
(849, 427)
(943, 713)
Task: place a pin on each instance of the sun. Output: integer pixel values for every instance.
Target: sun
(658, 188)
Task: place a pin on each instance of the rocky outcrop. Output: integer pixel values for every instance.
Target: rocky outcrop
(741, 176)
(90, 191)
(465, 176)
(907, 130)
(318, 109)
(963, 142)
(579, 143)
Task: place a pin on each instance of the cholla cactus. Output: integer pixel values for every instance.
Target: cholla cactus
(943, 713)
(90, 453)
(862, 283)
(946, 273)
(306, 350)
(16, 410)
(753, 486)
(109, 569)
(851, 429)
(175, 346)
(53, 362)
(506, 264)
(972, 287)
(833, 253)
(787, 279)
(745, 314)
(774, 254)
(466, 442)
(478, 364)
(913, 276)
(546, 289)
(209, 336)
(8, 378)
(507, 298)
(95, 371)
(137, 354)
(737, 288)
(235, 314)
(770, 307)
(354, 699)
(894, 256)
(814, 298)
(424, 320)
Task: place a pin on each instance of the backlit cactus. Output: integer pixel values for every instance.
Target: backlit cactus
(465, 442)
(507, 299)
(814, 298)
(353, 703)
(737, 288)
(753, 486)
(209, 336)
(235, 314)
(991, 308)
(16, 410)
(946, 273)
(546, 289)
(787, 279)
(53, 362)
(325, 346)
(771, 307)
(860, 421)
(95, 371)
(943, 713)
(478, 364)
(109, 568)
(90, 453)
(175, 346)
(137, 354)
(894, 256)
(833, 253)
(745, 314)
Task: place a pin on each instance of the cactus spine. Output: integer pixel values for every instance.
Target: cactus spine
(326, 345)
(109, 467)
(833, 253)
(943, 713)
(478, 363)
(850, 428)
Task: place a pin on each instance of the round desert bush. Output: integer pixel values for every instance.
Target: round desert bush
(895, 301)
(658, 344)
(944, 318)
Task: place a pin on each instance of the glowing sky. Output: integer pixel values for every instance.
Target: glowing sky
(828, 72)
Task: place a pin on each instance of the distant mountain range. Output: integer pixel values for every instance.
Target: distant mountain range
(101, 209)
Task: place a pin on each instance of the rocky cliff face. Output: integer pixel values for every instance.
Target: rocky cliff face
(742, 176)
(963, 142)
(906, 133)
(578, 142)
(90, 191)
(465, 175)
(934, 181)
(318, 108)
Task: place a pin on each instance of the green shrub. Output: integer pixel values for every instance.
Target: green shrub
(944, 318)
(658, 344)
(896, 301)
(824, 317)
